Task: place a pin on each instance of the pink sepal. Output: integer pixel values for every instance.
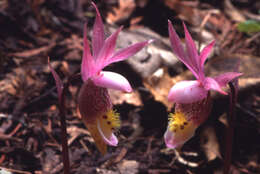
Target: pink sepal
(107, 49)
(112, 80)
(192, 51)
(179, 51)
(176, 43)
(187, 92)
(205, 53)
(223, 79)
(88, 64)
(127, 52)
(211, 83)
(57, 79)
(98, 33)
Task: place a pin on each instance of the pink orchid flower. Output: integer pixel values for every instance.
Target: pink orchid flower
(191, 98)
(94, 102)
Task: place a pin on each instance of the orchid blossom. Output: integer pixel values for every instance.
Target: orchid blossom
(94, 103)
(192, 98)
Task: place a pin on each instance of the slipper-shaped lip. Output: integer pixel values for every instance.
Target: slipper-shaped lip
(187, 92)
(107, 79)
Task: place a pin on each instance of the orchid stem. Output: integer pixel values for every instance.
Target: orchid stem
(230, 130)
(64, 139)
(62, 112)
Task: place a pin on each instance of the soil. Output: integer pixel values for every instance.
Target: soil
(30, 133)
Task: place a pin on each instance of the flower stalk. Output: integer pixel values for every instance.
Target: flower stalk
(64, 139)
(62, 113)
(231, 126)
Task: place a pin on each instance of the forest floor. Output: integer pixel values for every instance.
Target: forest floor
(31, 31)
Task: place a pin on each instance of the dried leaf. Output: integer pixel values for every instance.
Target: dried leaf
(249, 66)
(186, 11)
(160, 83)
(33, 52)
(119, 97)
(232, 12)
(209, 143)
(123, 11)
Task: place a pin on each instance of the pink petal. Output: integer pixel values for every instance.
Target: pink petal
(173, 140)
(211, 83)
(112, 80)
(87, 65)
(204, 53)
(179, 51)
(127, 52)
(192, 51)
(187, 92)
(110, 140)
(57, 79)
(176, 42)
(108, 48)
(223, 79)
(98, 33)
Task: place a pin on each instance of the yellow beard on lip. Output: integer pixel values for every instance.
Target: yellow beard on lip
(181, 128)
(109, 122)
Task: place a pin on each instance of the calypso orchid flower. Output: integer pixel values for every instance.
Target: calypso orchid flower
(192, 98)
(94, 104)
